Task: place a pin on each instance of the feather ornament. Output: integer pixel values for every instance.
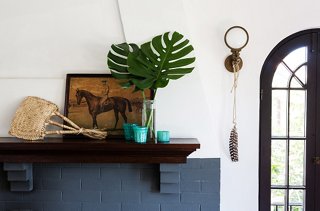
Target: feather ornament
(233, 145)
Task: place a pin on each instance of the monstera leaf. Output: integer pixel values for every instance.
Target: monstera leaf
(117, 62)
(158, 61)
(165, 57)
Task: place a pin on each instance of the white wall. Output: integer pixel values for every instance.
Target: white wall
(41, 41)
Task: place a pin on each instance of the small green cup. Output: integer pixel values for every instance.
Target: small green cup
(140, 134)
(128, 131)
(163, 136)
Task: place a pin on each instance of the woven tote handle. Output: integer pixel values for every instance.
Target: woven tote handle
(74, 128)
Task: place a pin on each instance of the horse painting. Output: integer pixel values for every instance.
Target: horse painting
(98, 105)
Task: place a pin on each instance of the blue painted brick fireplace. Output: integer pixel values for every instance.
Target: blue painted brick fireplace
(118, 187)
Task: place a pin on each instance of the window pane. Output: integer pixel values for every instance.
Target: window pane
(295, 83)
(297, 113)
(296, 58)
(281, 76)
(296, 162)
(296, 200)
(279, 113)
(302, 74)
(278, 162)
(278, 199)
(277, 208)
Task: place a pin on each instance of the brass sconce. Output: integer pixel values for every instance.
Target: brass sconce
(235, 38)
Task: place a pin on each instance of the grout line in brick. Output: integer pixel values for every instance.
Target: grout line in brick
(60, 195)
(100, 173)
(60, 172)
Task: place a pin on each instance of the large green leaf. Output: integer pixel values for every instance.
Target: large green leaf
(164, 58)
(117, 62)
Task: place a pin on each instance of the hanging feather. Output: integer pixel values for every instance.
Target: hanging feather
(233, 144)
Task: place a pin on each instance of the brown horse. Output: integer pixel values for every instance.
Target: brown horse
(95, 106)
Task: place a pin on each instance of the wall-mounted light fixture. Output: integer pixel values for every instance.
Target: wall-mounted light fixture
(235, 38)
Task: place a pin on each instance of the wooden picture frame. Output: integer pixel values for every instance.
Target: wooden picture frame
(96, 100)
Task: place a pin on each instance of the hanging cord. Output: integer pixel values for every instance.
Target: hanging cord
(235, 66)
(233, 140)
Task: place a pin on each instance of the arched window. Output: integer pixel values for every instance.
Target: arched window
(289, 119)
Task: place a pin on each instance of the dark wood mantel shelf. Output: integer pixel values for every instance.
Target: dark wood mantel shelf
(59, 150)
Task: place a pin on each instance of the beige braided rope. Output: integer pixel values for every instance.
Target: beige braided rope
(34, 115)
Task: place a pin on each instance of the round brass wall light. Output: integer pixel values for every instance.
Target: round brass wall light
(236, 38)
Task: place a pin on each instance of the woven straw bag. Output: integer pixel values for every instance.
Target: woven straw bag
(34, 115)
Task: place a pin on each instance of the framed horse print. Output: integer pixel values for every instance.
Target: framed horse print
(98, 101)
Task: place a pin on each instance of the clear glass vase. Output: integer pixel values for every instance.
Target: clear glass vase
(149, 117)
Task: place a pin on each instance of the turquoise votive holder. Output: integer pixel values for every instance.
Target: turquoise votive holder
(127, 128)
(132, 131)
(128, 131)
(163, 136)
(140, 134)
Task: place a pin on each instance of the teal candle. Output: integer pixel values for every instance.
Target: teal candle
(127, 128)
(128, 131)
(163, 136)
(140, 134)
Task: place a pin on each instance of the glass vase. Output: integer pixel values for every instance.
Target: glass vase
(149, 117)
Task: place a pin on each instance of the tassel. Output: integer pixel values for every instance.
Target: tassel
(233, 145)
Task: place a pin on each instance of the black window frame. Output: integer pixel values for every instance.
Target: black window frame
(310, 38)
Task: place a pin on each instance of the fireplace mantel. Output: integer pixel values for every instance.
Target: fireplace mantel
(18, 156)
(85, 150)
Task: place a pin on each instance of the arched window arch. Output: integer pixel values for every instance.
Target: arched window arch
(289, 118)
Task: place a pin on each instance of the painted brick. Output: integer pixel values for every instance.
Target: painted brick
(124, 174)
(210, 187)
(147, 174)
(61, 184)
(156, 197)
(137, 185)
(10, 196)
(113, 184)
(194, 163)
(137, 165)
(80, 173)
(190, 186)
(42, 195)
(61, 165)
(15, 166)
(23, 175)
(34, 206)
(21, 185)
(170, 188)
(101, 165)
(169, 177)
(37, 184)
(169, 167)
(101, 207)
(180, 207)
(140, 207)
(81, 196)
(121, 197)
(210, 207)
(210, 163)
(62, 206)
(200, 198)
(199, 174)
(48, 173)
